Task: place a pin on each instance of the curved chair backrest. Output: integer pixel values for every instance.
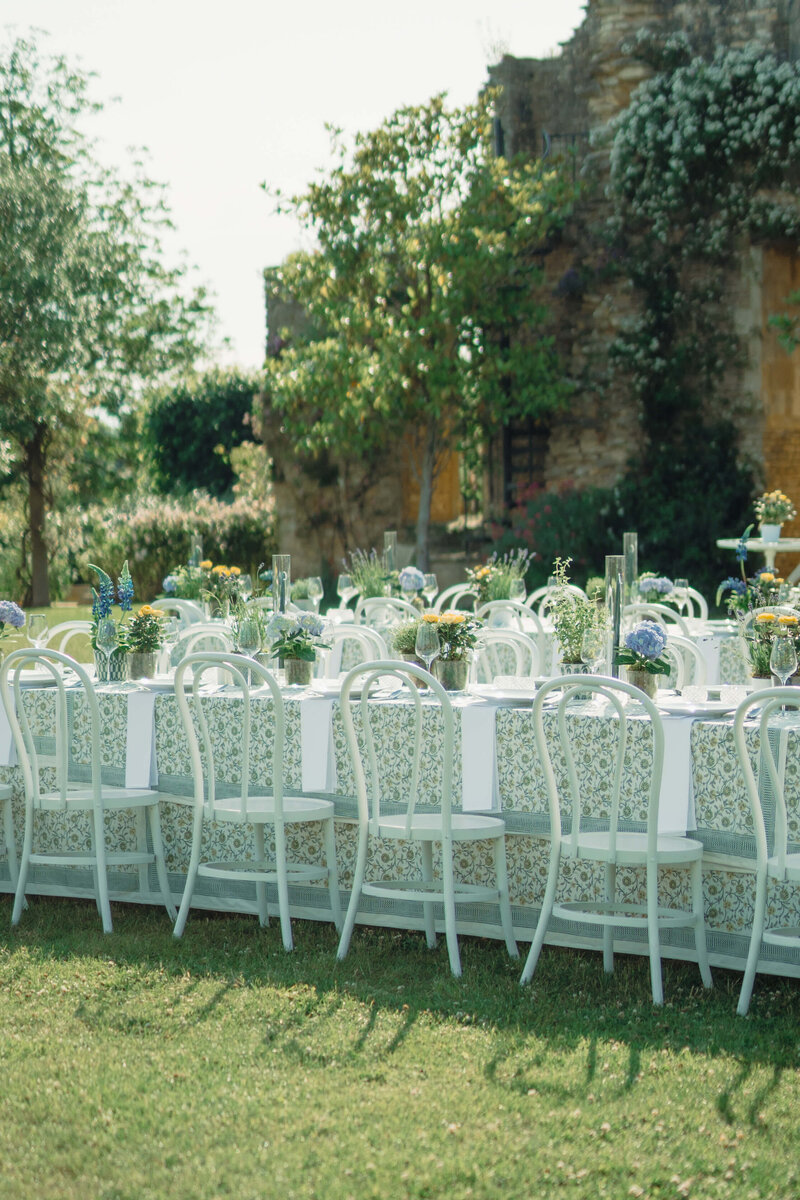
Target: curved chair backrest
(509, 614)
(208, 635)
(370, 645)
(12, 676)
(60, 636)
(540, 598)
(193, 707)
(662, 614)
(369, 778)
(697, 601)
(451, 597)
(188, 612)
(690, 666)
(566, 818)
(772, 764)
(504, 652)
(379, 612)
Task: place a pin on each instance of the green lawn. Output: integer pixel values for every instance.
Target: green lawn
(136, 1067)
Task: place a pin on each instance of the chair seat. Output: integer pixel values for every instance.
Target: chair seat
(262, 809)
(792, 867)
(81, 799)
(427, 827)
(632, 848)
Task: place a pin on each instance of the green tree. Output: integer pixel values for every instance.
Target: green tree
(88, 311)
(190, 428)
(425, 285)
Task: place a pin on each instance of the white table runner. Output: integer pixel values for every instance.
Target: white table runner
(318, 762)
(480, 789)
(140, 742)
(676, 801)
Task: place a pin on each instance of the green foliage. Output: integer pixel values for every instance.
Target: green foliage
(87, 308)
(190, 428)
(572, 615)
(787, 324)
(427, 257)
(155, 533)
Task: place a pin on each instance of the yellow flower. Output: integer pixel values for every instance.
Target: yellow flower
(767, 577)
(156, 612)
(779, 579)
(235, 570)
(146, 611)
(787, 620)
(482, 572)
(452, 618)
(219, 570)
(765, 618)
(431, 618)
(206, 564)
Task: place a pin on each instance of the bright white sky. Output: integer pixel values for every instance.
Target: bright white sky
(227, 94)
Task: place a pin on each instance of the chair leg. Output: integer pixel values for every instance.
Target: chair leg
(11, 845)
(102, 870)
(427, 906)
(759, 920)
(161, 865)
(450, 928)
(355, 895)
(333, 873)
(545, 913)
(261, 887)
(653, 937)
(501, 874)
(608, 930)
(191, 874)
(141, 846)
(24, 866)
(283, 885)
(700, 928)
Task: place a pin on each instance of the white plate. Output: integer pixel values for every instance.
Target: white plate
(504, 695)
(679, 706)
(38, 679)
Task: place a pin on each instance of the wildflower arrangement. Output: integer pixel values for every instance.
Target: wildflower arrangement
(11, 617)
(144, 630)
(654, 589)
(572, 615)
(295, 636)
(492, 579)
(184, 583)
(759, 637)
(206, 581)
(457, 634)
(642, 649)
(404, 636)
(369, 574)
(104, 597)
(773, 508)
(746, 593)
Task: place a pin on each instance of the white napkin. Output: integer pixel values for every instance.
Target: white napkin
(708, 645)
(479, 785)
(140, 747)
(676, 801)
(316, 744)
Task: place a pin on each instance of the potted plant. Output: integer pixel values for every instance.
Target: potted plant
(457, 635)
(370, 576)
(758, 638)
(11, 617)
(772, 509)
(654, 589)
(144, 641)
(498, 578)
(295, 641)
(640, 653)
(113, 666)
(573, 617)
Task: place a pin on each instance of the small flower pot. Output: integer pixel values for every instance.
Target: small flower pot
(298, 671)
(143, 663)
(770, 532)
(452, 673)
(643, 680)
(113, 669)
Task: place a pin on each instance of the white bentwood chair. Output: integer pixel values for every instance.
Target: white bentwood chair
(74, 797)
(613, 847)
(263, 805)
(495, 647)
(62, 636)
(777, 853)
(450, 599)
(6, 795)
(687, 659)
(188, 612)
(381, 612)
(662, 614)
(378, 815)
(369, 643)
(541, 597)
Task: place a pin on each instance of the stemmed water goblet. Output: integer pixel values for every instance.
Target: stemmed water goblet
(315, 591)
(517, 590)
(249, 639)
(245, 587)
(345, 589)
(783, 660)
(427, 645)
(680, 592)
(593, 649)
(37, 630)
(170, 631)
(106, 640)
(430, 587)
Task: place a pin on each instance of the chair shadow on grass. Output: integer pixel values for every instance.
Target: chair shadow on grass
(571, 1004)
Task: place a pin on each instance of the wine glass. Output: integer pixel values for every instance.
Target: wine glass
(680, 589)
(170, 632)
(426, 645)
(783, 659)
(248, 637)
(315, 591)
(517, 590)
(107, 640)
(37, 630)
(345, 589)
(430, 587)
(245, 587)
(593, 649)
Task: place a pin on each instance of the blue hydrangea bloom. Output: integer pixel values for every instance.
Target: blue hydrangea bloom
(656, 583)
(311, 624)
(411, 580)
(647, 639)
(732, 584)
(169, 585)
(11, 614)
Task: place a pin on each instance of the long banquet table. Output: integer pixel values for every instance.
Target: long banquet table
(496, 769)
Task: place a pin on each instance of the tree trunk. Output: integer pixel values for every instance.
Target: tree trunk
(40, 584)
(426, 477)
